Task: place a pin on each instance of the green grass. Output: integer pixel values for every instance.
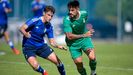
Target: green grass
(113, 59)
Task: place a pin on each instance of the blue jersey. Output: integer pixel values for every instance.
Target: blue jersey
(41, 6)
(3, 15)
(37, 30)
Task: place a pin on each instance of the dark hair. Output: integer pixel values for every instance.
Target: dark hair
(49, 8)
(74, 4)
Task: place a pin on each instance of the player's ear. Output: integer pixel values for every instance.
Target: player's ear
(77, 8)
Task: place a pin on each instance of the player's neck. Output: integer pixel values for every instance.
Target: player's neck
(77, 16)
(43, 19)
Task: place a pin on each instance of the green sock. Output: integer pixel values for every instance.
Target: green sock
(93, 65)
(82, 71)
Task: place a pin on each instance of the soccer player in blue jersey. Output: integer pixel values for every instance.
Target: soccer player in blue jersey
(33, 44)
(78, 37)
(4, 9)
(37, 7)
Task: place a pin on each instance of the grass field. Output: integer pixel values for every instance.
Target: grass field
(113, 59)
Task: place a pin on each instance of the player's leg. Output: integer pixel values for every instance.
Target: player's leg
(47, 53)
(76, 54)
(80, 67)
(88, 48)
(10, 43)
(1, 31)
(91, 55)
(35, 65)
(30, 56)
(54, 59)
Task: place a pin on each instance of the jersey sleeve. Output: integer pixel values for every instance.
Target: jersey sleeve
(30, 23)
(33, 5)
(67, 25)
(85, 14)
(7, 5)
(49, 31)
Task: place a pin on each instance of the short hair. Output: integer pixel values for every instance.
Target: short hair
(74, 4)
(49, 8)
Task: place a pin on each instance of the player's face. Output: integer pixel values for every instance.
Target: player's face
(73, 12)
(48, 16)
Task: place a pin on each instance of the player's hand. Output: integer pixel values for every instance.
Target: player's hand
(27, 35)
(90, 28)
(36, 7)
(88, 34)
(7, 10)
(62, 47)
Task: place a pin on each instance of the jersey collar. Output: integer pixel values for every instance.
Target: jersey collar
(79, 15)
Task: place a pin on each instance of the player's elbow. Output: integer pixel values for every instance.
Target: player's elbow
(20, 29)
(70, 37)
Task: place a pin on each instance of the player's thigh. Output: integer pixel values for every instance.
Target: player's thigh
(78, 60)
(92, 55)
(87, 44)
(53, 58)
(30, 55)
(48, 53)
(28, 52)
(75, 52)
(88, 48)
(33, 61)
(90, 52)
(44, 51)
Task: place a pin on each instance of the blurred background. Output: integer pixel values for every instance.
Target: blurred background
(111, 19)
(113, 37)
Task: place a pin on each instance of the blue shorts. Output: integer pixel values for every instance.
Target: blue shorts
(43, 51)
(3, 28)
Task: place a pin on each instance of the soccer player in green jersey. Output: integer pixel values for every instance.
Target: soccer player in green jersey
(78, 37)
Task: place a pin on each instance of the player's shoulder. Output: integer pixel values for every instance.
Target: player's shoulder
(35, 19)
(83, 11)
(33, 2)
(66, 18)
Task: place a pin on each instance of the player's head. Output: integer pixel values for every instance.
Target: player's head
(73, 7)
(48, 13)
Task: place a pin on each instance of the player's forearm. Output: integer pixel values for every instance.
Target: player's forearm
(53, 43)
(23, 30)
(8, 10)
(71, 36)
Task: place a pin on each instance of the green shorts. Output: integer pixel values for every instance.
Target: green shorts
(76, 51)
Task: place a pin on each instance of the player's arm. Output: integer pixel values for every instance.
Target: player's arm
(72, 36)
(8, 10)
(7, 7)
(50, 36)
(23, 30)
(34, 7)
(54, 44)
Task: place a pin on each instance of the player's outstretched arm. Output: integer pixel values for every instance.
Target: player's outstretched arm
(54, 44)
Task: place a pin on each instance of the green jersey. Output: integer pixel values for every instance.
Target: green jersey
(76, 26)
